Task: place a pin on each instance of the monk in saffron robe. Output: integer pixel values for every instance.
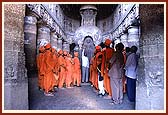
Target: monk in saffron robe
(69, 63)
(41, 67)
(55, 66)
(91, 71)
(107, 54)
(62, 69)
(95, 72)
(49, 71)
(77, 70)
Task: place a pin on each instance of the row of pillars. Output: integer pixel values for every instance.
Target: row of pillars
(130, 37)
(38, 34)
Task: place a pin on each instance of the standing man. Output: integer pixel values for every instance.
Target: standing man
(49, 71)
(116, 74)
(77, 70)
(62, 69)
(69, 73)
(107, 55)
(85, 67)
(100, 77)
(41, 67)
(130, 72)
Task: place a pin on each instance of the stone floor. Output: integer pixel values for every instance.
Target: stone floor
(76, 98)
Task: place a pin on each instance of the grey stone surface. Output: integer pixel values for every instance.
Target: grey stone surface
(76, 98)
(54, 40)
(15, 73)
(16, 96)
(150, 84)
(43, 35)
(133, 36)
(30, 32)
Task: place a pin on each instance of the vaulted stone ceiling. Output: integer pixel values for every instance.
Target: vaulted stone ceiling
(72, 10)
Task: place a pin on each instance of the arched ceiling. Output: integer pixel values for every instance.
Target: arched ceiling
(72, 10)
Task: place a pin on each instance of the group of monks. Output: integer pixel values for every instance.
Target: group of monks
(57, 69)
(106, 54)
(60, 69)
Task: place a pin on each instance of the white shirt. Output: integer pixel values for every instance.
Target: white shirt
(85, 60)
(131, 66)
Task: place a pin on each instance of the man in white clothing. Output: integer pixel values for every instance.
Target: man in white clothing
(85, 67)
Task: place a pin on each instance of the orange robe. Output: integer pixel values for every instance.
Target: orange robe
(95, 72)
(49, 71)
(69, 71)
(94, 76)
(91, 70)
(76, 72)
(55, 67)
(107, 54)
(40, 68)
(62, 71)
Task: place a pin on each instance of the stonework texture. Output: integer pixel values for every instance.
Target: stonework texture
(15, 73)
(150, 85)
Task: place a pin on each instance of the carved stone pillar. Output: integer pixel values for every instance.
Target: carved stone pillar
(59, 43)
(54, 40)
(133, 36)
(116, 41)
(150, 88)
(66, 46)
(15, 73)
(80, 51)
(124, 39)
(30, 31)
(43, 36)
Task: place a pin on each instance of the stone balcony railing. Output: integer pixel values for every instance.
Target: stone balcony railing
(126, 20)
(43, 13)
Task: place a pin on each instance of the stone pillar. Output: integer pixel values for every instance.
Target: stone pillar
(80, 51)
(116, 41)
(150, 84)
(30, 31)
(43, 36)
(133, 36)
(124, 39)
(59, 43)
(66, 46)
(54, 40)
(15, 73)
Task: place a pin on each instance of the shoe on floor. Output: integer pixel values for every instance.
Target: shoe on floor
(48, 94)
(112, 103)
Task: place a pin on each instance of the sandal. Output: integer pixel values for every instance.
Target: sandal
(48, 94)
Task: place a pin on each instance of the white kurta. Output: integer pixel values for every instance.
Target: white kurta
(131, 66)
